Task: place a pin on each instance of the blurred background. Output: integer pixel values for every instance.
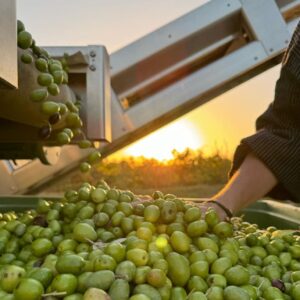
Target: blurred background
(190, 157)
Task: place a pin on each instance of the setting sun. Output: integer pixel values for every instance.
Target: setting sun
(160, 144)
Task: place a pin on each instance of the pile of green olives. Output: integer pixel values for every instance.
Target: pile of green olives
(52, 74)
(99, 242)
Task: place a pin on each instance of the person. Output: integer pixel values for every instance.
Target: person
(267, 163)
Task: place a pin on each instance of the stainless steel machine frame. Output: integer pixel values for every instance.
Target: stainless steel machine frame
(191, 60)
(173, 70)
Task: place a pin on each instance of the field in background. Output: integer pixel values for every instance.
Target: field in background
(188, 174)
(193, 191)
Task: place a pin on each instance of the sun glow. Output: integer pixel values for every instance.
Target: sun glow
(160, 144)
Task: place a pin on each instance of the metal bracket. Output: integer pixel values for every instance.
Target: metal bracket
(266, 24)
(89, 78)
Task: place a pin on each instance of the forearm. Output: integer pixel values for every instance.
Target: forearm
(276, 143)
(250, 182)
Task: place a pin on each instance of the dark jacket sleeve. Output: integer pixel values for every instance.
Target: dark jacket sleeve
(277, 140)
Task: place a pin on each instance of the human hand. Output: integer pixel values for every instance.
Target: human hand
(207, 203)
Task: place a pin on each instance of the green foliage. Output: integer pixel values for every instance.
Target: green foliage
(187, 168)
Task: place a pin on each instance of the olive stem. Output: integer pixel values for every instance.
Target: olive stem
(190, 293)
(96, 245)
(55, 294)
(90, 241)
(119, 276)
(259, 287)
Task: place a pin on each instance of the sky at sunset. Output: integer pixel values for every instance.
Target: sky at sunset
(219, 124)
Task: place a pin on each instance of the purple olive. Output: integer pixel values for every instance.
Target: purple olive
(45, 132)
(38, 263)
(55, 118)
(40, 221)
(278, 284)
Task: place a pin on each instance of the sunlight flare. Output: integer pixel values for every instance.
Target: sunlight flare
(160, 144)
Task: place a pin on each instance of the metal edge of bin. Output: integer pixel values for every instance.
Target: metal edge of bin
(284, 215)
(22, 203)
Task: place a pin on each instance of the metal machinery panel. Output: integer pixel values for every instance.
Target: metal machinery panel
(191, 60)
(89, 79)
(201, 81)
(172, 33)
(8, 51)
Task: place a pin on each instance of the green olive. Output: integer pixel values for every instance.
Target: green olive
(94, 157)
(50, 108)
(41, 64)
(29, 289)
(39, 95)
(24, 39)
(85, 167)
(26, 58)
(20, 26)
(63, 138)
(45, 79)
(53, 89)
